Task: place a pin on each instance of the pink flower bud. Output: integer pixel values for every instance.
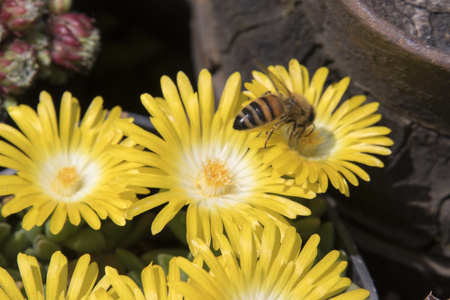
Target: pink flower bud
(19, 15)
(18, 67)
(75, 41)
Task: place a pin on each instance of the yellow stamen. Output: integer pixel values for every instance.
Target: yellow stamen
(67, 181)
(311, 138)
(214, 178)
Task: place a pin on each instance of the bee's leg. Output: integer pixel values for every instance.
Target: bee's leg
(301, 132)
(276, 126)
(314, 127)
(292, 133)
(268, 136)
(298, 133)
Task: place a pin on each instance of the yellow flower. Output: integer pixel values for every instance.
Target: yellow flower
(280, 269)
(56, 286)
(339, 139)
(153, 281)
(63, 170)
(200, 161)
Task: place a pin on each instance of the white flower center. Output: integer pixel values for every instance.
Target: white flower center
(69, 178)
(257, 290)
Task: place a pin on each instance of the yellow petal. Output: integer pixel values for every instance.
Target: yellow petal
(45, 211)
(94, 114)
(345, 108)
(89, 216)
(119, 285)
(83, 278)
(165, 215)
(59, 218)
(315, 89)
(355, 169)
(170, 92)
(299, 75)
(31, 276)
(8, 287)
(305, 260)
(57, 273)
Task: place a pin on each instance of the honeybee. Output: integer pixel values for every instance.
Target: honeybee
(278, 108)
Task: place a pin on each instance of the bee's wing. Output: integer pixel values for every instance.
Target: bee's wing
(275, 80)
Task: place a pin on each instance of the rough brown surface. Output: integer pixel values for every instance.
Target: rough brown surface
(427, 20)
(401, 218)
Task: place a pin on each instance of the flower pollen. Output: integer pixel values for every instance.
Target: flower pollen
(316, 143)
(214, 178)
(67, 182)
(312, 137)
(308, 143)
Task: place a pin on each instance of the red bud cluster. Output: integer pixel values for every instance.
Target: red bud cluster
(75, 41)
(40, 38)
(18, 66)
(20, 15)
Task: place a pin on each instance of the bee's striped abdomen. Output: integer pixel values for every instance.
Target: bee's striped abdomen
(259, 112)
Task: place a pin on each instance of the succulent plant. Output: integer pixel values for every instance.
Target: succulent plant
(75, 41)
(20, 15)
(18, 67)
